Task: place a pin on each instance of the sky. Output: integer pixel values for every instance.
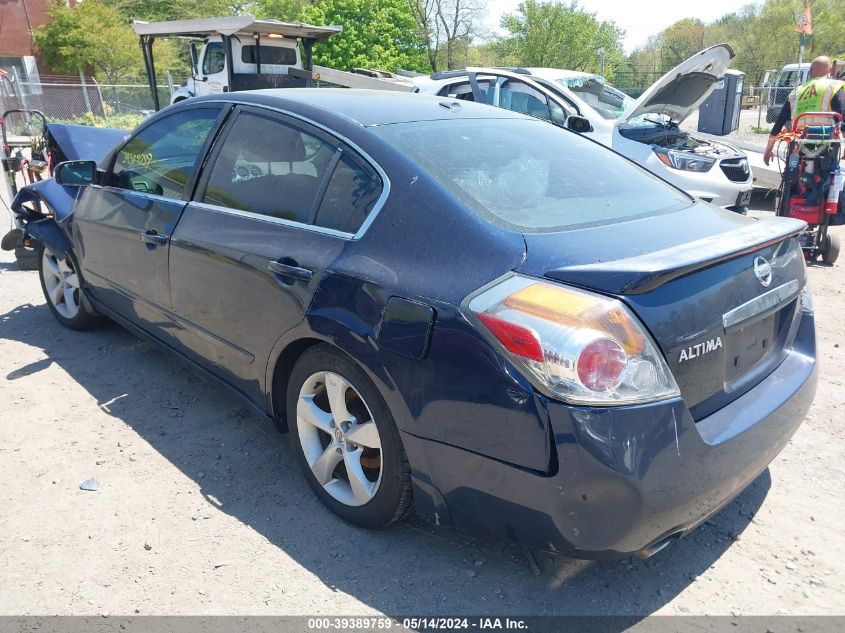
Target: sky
(639, 18)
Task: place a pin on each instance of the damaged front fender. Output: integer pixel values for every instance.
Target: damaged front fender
(48, 232)
(44, 210)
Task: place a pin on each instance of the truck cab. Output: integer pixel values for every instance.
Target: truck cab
(250, 56)
(236, 53)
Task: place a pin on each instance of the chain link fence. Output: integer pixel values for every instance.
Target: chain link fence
(83, 100)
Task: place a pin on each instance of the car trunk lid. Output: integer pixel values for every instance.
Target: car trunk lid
(719, 294)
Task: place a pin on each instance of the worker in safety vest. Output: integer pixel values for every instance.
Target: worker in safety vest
(818, 94)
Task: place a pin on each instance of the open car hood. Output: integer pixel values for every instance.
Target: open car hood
(678, 93)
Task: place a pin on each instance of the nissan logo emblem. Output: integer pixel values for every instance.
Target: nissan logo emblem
(763, 271)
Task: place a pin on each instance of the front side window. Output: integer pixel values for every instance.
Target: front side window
(609, 102)
(215, 59)
(530, 176)
(161, 157)
(269, 167)
(517, 96)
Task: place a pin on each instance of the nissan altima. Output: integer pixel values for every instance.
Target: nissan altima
(450, 307)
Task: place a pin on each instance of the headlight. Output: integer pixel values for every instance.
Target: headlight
(684, 160)
(574, 345)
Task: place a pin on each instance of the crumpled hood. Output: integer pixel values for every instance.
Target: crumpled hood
(83, 142)
(678, 93)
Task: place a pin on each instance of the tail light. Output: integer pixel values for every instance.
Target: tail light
(575, 345)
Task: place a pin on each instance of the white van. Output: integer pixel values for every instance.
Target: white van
(784, 82)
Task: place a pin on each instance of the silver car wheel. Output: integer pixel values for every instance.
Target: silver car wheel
(62, 283)
(339, 438)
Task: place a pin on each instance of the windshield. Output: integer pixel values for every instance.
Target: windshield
(603, 98)
(532, 176)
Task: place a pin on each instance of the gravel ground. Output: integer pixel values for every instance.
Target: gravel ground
(748, 121)
(201, 510)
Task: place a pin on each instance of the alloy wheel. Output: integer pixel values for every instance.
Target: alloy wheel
(62, 284)
(339, 438)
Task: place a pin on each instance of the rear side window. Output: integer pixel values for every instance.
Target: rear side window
(350, 196)
(269, 55)
(161, 158)
(532, 176)
(269, 167)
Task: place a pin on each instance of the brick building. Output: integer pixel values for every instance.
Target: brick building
(17, 50)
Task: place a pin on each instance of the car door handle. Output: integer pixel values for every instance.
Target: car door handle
(151, 237)
(288, 270)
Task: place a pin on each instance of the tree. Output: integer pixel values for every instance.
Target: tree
(684, 39)
(376, 33)
(761, 36)
(447, 27)
(90, 35)
(162, 10)
(559, 35)
(284, 10)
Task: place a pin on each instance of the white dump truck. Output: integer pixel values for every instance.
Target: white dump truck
(242, 53)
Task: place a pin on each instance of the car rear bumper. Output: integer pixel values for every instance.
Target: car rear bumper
(622, 480)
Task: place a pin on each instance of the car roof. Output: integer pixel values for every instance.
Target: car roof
(552, 74)
(368, 107)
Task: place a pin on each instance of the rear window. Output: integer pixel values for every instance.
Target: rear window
(532, 176)
(273, 55)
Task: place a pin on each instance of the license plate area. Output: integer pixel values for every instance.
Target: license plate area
(752, 347)
(744, 198)
(747, 346)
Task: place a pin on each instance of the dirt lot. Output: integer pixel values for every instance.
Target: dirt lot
(202, 511)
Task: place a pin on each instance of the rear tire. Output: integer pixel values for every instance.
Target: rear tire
(830, 249)
(346, 441)
(63, 286)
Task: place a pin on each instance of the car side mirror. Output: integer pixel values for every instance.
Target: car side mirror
(578, 124)
(75, 173)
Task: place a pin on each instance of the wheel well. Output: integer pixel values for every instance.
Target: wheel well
(281, 374)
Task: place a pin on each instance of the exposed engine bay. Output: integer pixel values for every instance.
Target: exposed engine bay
(670, 136)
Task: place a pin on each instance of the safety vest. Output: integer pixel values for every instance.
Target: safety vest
(814, 95)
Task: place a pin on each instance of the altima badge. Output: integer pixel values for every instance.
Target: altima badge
(700, 349)
(763, 270)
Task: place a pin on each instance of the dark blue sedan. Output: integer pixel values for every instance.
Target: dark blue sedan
(450, 307)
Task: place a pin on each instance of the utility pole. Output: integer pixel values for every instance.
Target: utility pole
(800, 58)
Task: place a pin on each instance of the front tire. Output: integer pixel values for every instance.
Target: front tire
(62, 285)
(346, 440)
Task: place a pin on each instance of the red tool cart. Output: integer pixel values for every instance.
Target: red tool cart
(812, 181)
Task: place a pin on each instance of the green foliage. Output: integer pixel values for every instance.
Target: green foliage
(92, 34)
(560, 35)
(162, 10)
(761, 35)
(376, 34)
(124, 121)
(97, 35)
(284, 10)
